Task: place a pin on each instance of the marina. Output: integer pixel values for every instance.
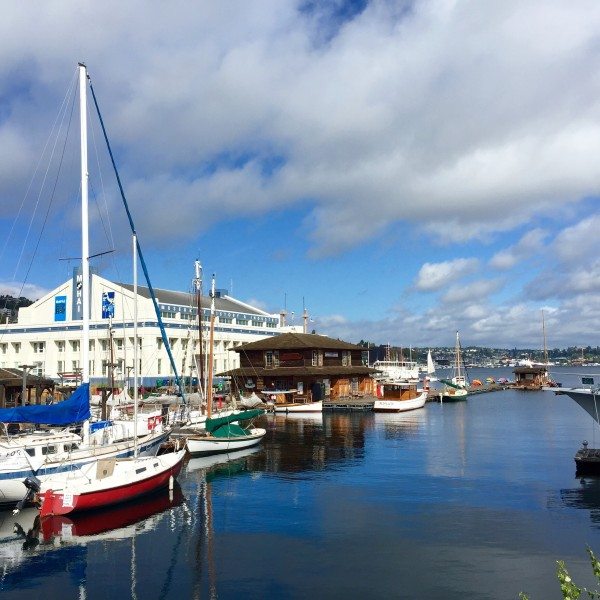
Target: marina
(328, 498)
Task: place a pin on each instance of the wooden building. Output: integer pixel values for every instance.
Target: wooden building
(304, 367)
(38, 389)
(531, 378)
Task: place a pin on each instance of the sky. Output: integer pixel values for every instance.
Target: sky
(401, 169)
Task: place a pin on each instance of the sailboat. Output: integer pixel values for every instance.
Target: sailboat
(53, 452)
(223, 433)
(455, 389)
(113, 480)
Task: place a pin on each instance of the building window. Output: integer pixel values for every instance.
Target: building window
(346, 358)
(242, 321)
(272, 358)
(92, 367)
(38, 368)
(119, 343)
(17, 347)
(92, 345)
(74, 365)
(60, 366)
(317, 358)
(39, 347)
(104, 345)
(257, 323)
(74, 345)
(159, 366)
(272, 325)
(3, 348)
(167, 314)
(60, 347)
(225, 320)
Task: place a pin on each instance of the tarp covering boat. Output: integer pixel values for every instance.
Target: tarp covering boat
(213, 424)
(74, 409)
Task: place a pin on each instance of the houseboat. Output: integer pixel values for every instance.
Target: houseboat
(295, 372)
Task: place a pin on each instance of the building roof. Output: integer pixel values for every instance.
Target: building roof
(222, 303)
(296, 341)
(14, 377)
(525, 370)
(300, 371)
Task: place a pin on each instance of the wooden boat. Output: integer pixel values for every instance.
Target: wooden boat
(455, 389)
(225, 434)
(221, 434)
(298, 407)
(399, 396)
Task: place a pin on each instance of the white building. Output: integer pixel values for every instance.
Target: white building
(48, 333)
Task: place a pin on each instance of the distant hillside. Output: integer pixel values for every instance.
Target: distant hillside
(9, 307)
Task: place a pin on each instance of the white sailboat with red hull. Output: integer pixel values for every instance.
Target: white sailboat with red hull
(103, 482)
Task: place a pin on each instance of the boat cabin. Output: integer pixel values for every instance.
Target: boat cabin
(531, 378)
(302, 367)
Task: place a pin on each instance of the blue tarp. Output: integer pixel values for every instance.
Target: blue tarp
(74, 409)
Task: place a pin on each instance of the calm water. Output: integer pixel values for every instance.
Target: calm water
(470, 500)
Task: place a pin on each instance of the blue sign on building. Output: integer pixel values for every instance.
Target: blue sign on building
(60, 308)
(108, 305)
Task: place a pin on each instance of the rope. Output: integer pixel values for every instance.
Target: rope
(139, 249)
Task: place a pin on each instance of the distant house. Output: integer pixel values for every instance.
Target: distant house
(308, 367)
(531, 378)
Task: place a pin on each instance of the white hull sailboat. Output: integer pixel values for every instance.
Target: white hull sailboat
(455, 389)
(58, 452)
(103, 481)
(224, 433)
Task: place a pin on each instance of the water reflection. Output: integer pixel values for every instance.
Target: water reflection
(586, 495)
(397, 426)
(307, 443)
(32, 548)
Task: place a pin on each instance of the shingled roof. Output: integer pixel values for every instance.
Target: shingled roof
(294, 341)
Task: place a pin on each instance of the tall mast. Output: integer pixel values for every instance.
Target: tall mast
(210, 350)
(85, 244)
(198, 291)
(135, 346)
(544, 335)
(457, 356)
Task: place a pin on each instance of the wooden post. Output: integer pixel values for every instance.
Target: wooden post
(2, 396)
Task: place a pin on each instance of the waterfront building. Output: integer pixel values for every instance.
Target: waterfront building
(303, 367)
(47, 334)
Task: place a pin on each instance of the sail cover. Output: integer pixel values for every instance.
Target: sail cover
(74, 409)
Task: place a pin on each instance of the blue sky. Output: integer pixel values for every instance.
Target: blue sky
(406, 169)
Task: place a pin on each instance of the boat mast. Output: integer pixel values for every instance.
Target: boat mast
(135, 346)
(544, 335)
(85, 244)
(209, 387)
(458, 358)
(200, 359)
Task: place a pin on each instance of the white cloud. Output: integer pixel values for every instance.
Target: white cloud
(579, 243)
(406, 114)
(476, 291)
(530, 244)
(434, 276)
(25, 290)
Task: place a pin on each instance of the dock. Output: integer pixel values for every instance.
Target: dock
(350, 403)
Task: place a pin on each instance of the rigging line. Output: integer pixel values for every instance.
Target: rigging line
(52, 196)
(110, 232)
(44, 183)
(139, 250)
(50, 136)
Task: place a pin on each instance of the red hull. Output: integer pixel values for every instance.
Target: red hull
(52, 502)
